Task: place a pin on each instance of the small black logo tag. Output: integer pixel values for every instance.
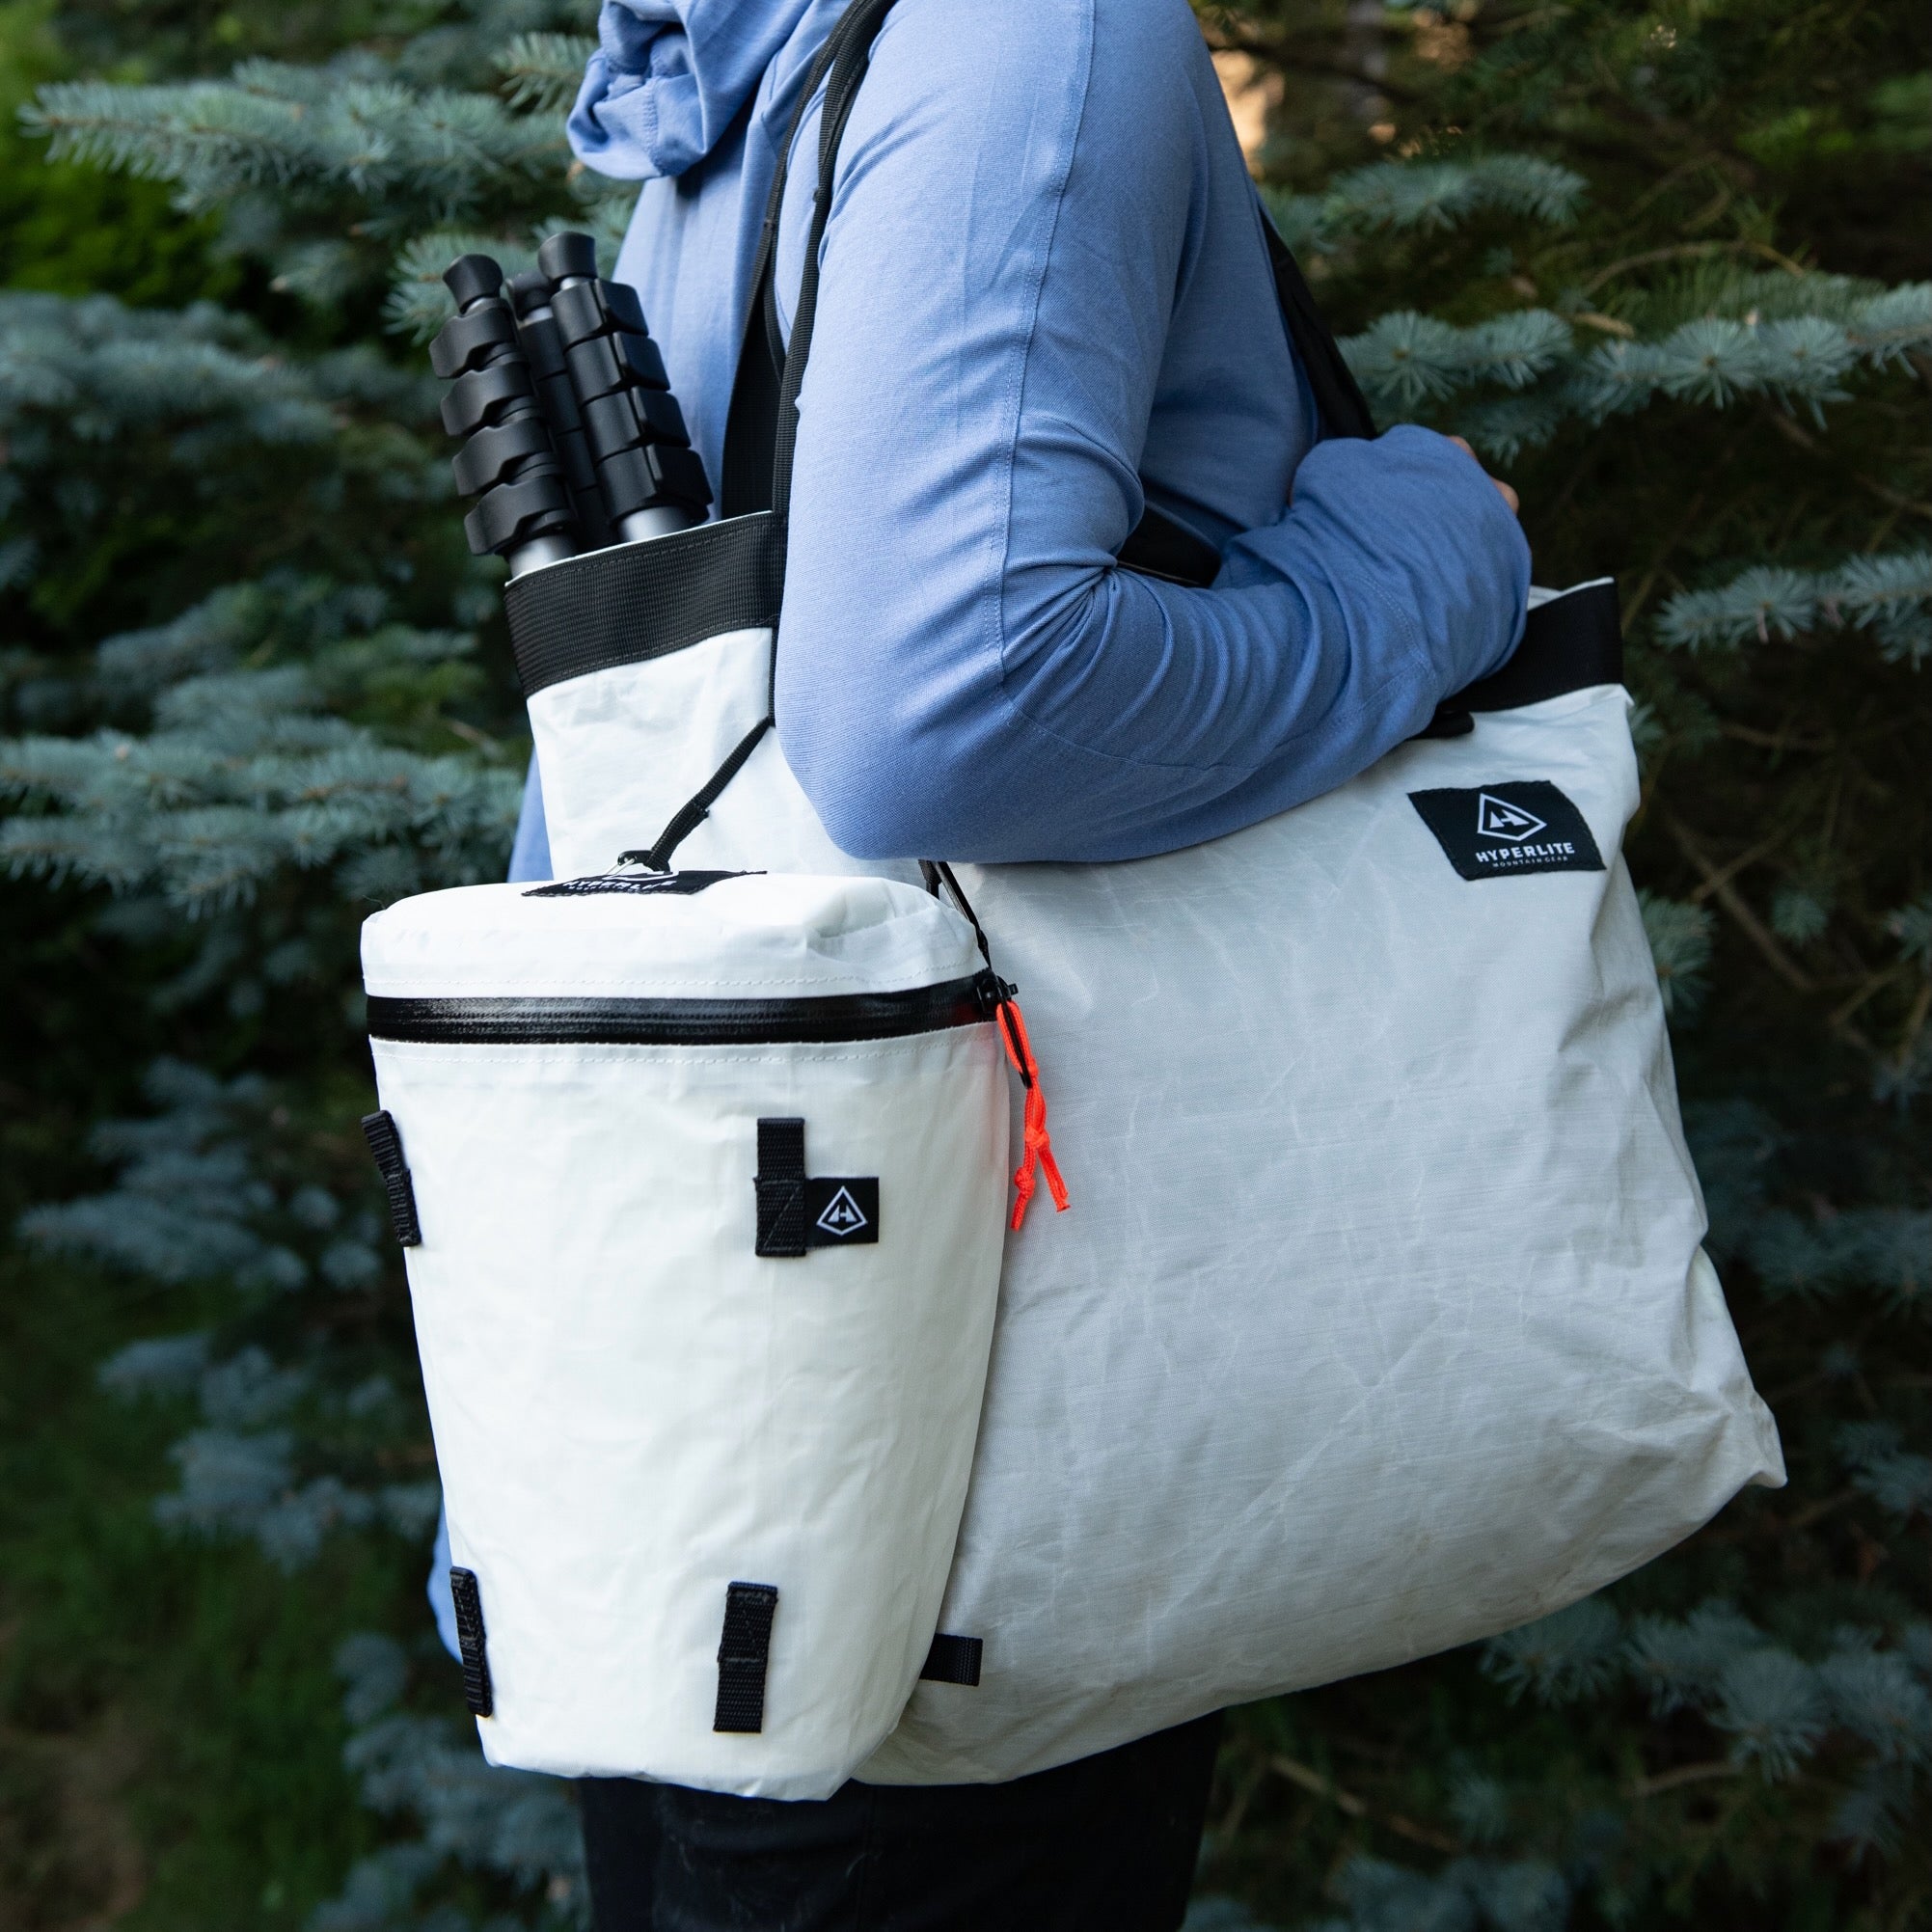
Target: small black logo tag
(842, 1212)
(1520, 824)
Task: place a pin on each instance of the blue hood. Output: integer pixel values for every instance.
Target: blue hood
(670, 76)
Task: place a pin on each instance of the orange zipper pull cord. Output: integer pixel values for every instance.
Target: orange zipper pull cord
(1039, 1156)
(1038, 1159)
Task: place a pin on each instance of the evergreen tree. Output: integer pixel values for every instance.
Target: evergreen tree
(1661, 267)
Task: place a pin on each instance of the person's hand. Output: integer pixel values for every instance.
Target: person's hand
(1508, 494)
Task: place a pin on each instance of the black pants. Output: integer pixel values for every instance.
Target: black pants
(1106, 1844)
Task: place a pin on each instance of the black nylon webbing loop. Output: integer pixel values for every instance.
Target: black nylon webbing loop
(744, 1651)
(471, 1640)
(780, 1186)
(386, 1144)
(954, 1660)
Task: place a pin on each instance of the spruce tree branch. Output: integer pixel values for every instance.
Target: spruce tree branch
(1764, 1523)
(1731, 867)
(1915, 1026)
(1684, 250)
(1816, 1513)
(1872, 985)
(1783, 739)
(1795, 432)
(1350, 1806)
(1246, 1785)
(1646, 128)
(1662, 185)
(1684, 1773)
(1733, 901)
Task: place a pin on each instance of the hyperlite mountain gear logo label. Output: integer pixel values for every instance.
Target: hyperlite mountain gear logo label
(1524, 824)
(841, 1211)
(843, 1217)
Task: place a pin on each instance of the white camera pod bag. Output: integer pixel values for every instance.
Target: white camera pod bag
(703, 1184)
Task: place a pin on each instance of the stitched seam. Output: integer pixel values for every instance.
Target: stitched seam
(1017, 391)
(996, 622)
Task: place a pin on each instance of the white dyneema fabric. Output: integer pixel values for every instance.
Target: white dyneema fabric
(634, 1409)
(1380, 1321)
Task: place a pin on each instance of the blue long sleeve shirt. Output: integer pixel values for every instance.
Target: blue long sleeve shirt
(1045, 299)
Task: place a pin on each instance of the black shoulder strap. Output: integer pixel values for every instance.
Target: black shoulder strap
(756, 453)
(764, 412)
(751, 429)
(850, 45)
(1344, 409)
(752, 452)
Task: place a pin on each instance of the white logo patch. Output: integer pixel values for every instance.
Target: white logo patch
(842, 1215)
(1495, 818)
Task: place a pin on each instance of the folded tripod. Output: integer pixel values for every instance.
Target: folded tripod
(572, 438)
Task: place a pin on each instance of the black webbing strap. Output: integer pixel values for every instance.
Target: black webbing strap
(853, 37)
(697, 809)
(468, 1602)
(1344, 409)
(954, 1660)
(781, 1184)
(386, 1144)
(1571, 641)
(764, 401)
(744, 1650)
(751, 429)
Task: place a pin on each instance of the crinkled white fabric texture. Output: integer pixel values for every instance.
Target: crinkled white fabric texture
(632, 1409)
(1379, 1323)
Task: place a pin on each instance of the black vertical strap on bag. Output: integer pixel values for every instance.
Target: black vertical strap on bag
(471, 1640)
(744, 1650)
(386, 1144)
(764, 416)
(1337, 396)
(751, 429)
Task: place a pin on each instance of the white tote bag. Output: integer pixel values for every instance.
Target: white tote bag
(1380, 1321)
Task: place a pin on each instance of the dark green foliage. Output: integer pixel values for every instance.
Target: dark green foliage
(1668, 269)
(1665, 268)
(248, 698)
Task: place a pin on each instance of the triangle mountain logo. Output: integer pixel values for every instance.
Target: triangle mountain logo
(1497, 818)
(842, 1215)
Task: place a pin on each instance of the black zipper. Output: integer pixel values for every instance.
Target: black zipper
(518, 1022)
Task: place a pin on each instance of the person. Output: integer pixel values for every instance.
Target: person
(1046, 304)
